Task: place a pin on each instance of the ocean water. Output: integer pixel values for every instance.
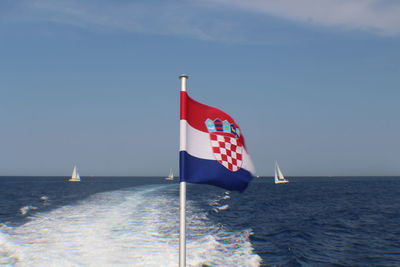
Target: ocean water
(122, 221)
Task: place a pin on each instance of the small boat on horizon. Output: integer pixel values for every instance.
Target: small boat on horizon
(279, 178)
(170, 176)
(75, 176)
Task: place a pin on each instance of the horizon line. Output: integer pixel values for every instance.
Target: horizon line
(162, 176)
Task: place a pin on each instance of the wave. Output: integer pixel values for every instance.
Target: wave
(25, 210)
(218, 209)
(44, 198)
(138, 227)
(218, 204)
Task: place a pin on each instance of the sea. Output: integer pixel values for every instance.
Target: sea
(134, 221)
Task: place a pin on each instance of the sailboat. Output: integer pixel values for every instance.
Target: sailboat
(170, 175)
(75, 176)
(279, 178)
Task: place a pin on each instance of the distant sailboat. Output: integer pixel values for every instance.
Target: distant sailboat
(170, 176)
(279, 178)
(75, 176)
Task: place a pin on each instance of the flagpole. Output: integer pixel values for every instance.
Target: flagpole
(182, 189)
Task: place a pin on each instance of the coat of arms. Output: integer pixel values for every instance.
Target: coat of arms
(225, 143)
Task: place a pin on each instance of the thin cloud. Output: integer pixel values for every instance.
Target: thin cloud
(377, 16)
(173, 17)
(217, 20)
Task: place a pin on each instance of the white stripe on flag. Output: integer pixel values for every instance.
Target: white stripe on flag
(198, 144)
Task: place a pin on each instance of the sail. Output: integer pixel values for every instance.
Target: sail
(279, 178)
(280, 175)
(75, 175)
(170, 175)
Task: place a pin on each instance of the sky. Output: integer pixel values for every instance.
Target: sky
(314, 85)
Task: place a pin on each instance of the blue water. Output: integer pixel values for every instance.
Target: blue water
(111, 221)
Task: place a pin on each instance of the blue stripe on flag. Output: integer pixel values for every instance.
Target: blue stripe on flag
(203, 171)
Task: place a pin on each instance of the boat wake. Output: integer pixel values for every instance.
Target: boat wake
(135, 227)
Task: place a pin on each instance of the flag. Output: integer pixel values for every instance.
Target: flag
(213, 149)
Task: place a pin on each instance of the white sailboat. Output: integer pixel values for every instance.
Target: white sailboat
(75, 176)
(170, 176)
(279, 178)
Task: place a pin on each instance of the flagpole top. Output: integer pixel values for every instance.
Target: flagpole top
(183, 76)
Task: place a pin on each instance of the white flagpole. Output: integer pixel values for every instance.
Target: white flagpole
(182, 189)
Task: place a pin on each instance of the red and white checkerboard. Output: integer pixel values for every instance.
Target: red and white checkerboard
(227, 151)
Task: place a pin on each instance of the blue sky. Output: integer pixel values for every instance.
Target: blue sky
(314, 86)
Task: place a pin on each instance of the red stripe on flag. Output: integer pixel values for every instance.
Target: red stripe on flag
(196, 114)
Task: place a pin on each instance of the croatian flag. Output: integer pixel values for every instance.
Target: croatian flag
(213, 149)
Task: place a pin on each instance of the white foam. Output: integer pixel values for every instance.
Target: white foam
(44, 198)
(223, 207)
(9, 253)
(24, 210)
(137, 227)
